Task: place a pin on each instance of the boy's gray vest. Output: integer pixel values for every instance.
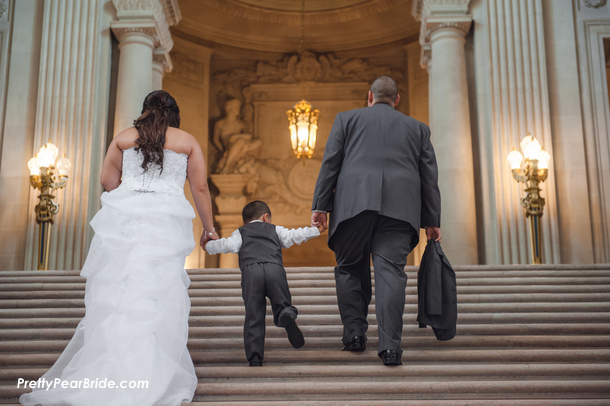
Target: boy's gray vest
(260, 243)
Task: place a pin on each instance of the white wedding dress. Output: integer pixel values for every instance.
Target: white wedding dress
(136, 322)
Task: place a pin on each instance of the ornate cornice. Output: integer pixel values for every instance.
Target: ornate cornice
(340, 15)
(159, 14)
(432, 8)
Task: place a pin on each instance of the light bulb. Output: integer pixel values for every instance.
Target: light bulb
(47, 154)
(63, 166)
(532, 149)
(515, 158)
(543, 159)
(34, 166)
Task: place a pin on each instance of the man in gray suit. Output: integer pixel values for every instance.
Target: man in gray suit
(379, 180)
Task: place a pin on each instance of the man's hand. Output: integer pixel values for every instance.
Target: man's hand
(319, 219)
(434, 233)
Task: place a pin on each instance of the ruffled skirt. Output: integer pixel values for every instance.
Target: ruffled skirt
(130, 348)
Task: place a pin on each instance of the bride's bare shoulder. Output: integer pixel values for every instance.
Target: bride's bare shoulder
(180, 141)
(127, 138)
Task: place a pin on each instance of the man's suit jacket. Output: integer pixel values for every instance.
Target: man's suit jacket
(379, 159)
(437, 293)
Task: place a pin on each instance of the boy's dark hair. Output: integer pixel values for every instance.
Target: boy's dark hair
(254, 210)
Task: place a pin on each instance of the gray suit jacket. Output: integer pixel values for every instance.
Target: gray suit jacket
(379, 159)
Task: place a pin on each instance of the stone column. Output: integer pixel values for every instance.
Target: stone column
(161, 63)
(71, 105)
(512, 97)
(443, 33)
(142, 27)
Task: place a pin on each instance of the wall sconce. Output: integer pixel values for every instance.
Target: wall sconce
(531, 172)
(43, 178)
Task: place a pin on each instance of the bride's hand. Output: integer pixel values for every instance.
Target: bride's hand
(205, 237)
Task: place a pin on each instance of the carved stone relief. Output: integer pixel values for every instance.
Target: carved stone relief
(595, 3)
(282, 181)
(3, 10)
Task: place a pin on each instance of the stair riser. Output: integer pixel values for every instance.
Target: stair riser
(69, 299)
(332, 309)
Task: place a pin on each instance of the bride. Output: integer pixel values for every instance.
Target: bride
(130, 348)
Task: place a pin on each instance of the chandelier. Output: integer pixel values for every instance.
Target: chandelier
(302, 119)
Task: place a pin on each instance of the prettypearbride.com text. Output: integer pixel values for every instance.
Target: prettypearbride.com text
(42, 383)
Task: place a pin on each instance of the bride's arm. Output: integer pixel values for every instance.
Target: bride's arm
(112, 168)
(198, 182)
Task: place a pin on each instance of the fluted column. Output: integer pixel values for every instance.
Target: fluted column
(72, 96)
(445, 25)
(142, 27)
(513, 100)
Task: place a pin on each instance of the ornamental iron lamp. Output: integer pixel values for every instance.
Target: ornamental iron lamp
(42, 177)
(303, 124)
(302, 119)
(531, 171)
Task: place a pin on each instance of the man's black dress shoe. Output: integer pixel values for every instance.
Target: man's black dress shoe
(356, 343)
(294, 333)
(390, 357)
(256, 361)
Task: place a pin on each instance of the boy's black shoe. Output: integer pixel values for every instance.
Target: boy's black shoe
(390, 357)
(256, 361)
(294, 333)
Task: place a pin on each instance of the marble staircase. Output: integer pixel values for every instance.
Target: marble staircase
(527, 335)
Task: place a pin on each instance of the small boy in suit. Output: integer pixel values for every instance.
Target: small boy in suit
(259, 244)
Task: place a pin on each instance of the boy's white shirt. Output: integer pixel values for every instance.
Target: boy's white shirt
(288, 237)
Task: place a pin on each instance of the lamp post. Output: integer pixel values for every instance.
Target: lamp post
(43, 178)
(531, 171)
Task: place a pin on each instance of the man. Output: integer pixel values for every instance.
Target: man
(380, 181)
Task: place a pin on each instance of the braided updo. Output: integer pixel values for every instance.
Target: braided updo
(159, 112)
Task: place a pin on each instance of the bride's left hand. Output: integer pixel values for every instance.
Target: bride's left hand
(205, 237)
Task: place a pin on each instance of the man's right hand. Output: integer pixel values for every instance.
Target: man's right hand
(319, 219)
(434, 233)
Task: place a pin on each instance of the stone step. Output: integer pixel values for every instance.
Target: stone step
(334, 343)
(332, 309)
(330, 283)
(563, 329)
(584, 275)
(70, 299)
(304, 356)
(527, 336)
(404, 402)
(288, 371)
(10, 289)
(334, 319)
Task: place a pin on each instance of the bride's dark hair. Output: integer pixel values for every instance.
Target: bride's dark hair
(158, 112)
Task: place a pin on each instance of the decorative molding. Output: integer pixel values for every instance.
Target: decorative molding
(4, 6)
(595, 3)
(161, 57)
(431, 8)
(334, 16)
(122, 30)
(156, 14)
(461, 23)
(436, 15)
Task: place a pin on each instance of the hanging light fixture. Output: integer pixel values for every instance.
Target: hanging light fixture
(302, 119)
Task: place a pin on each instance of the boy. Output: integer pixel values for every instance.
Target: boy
(259, 244)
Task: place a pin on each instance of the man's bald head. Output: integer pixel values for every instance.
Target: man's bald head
(384, 90)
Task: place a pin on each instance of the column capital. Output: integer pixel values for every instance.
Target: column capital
(161, 57)
(150, 17)
(438, 15)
